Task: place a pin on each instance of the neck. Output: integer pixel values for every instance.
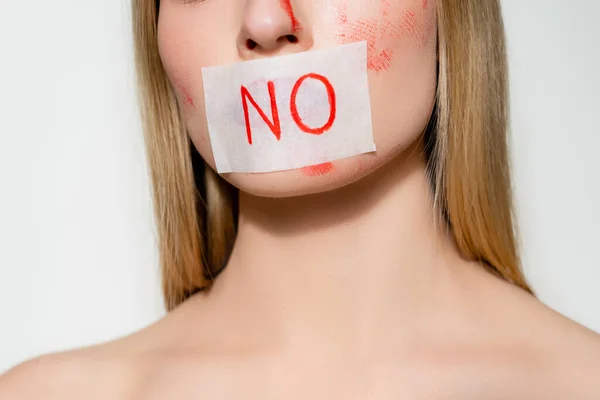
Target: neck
(340, 263)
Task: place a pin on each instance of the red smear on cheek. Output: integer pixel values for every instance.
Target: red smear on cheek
(366, 29)
(287, 6)
(185, 94)
(415, 31)
(318, 170)
(378, 30)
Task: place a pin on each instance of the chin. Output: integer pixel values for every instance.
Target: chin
(324, 177)
(305, 181)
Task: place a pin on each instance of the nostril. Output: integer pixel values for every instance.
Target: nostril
(251, 44)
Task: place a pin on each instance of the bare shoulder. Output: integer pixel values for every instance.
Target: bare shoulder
(106, 371)
(568, 354)
(129, 368)
(52, 376)
(556, 357)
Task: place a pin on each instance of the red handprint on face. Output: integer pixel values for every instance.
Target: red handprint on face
(380, 30)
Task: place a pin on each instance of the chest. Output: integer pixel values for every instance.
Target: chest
(270, 382)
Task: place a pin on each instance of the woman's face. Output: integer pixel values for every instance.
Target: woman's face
(401, 62)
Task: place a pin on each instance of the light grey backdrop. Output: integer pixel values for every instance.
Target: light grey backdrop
(78, 263)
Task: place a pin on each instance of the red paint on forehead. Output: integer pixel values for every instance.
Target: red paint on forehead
(318, 170)
(287, 6)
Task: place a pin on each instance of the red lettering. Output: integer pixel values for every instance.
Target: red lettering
(332, 104)
(274, 126)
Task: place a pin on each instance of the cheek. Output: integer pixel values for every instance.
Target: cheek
(401, 56)
(172, 52)
(181, 57)
(386, 27)
(184, 50)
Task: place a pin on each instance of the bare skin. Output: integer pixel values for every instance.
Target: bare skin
(324, 298)
(352, 293)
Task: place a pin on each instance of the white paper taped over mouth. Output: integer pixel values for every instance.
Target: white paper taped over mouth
(291, 111)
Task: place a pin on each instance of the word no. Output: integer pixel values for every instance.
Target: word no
(273, 123)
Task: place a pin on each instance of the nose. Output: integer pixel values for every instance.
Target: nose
(270, 27)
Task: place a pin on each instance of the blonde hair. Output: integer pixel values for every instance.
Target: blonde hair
(467, 154)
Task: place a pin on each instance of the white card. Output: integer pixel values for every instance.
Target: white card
(291, 111)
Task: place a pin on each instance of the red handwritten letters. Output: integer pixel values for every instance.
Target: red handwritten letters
(274, 123)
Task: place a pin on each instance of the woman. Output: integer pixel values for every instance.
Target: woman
(389, 274)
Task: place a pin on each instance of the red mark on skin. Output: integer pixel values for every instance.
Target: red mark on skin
(287, 6)
(188, 97)
(274, 126)
(414, 28)
(185, 94)
(332, 104)
(318, 170)
(379, 30)
(368, 30)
